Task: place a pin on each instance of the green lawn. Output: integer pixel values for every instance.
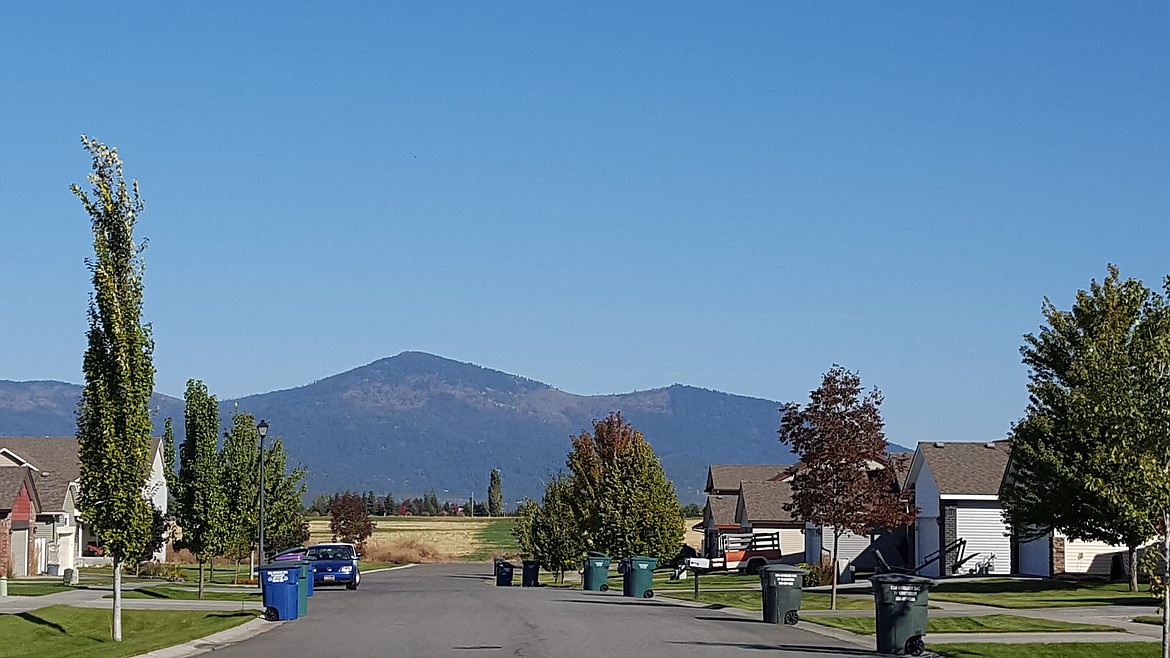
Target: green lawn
(752, 600)
(62, 631)
(36, 588)
(1056, 650)
(1155, 620)
(662, 581)
(1005, 593)
(496, 538)
(185, 594)
(980, 624)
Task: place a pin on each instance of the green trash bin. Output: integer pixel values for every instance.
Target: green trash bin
(596, 572)
(638, 576)
(780, 586)
(304, 578)
(530, 577)
(901, 603)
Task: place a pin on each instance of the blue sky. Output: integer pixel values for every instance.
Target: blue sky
(603, 197)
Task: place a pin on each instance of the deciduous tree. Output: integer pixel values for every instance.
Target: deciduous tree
(113, 417)
(556, 537)
(241, 486)
(285, 525)
(1091, 455)
(202, 510)
(623, 503)
(348, 519)
(847, 483)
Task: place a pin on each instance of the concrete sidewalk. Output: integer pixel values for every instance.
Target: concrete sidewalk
(11, 605)
(174, 604)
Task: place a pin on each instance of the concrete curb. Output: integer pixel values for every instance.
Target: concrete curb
(835, 633)
(403, 566)
(220, 640)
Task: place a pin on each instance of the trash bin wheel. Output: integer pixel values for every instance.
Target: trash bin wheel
(270, 614)
(648, 594)
(915, 646)
(604, 587)
(791, 617)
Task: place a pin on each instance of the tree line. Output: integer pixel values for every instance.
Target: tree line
(426, 505)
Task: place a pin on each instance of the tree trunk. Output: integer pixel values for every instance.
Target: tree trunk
(117, 625)
(1133, 583)
(236, 572)
(1165, 585)
(833, 566)
(211, 570)
(200, 580)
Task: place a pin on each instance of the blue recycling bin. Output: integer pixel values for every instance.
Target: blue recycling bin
(280, 583)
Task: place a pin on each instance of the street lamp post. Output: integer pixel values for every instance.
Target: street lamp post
(262, 430)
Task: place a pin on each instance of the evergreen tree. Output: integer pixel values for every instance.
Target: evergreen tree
(113, 417)
(203, 509)
(495, 495)
(390, 506)
(623, 503)
(168, 445)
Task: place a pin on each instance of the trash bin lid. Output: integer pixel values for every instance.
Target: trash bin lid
(596, 554)
(901, 579)
(783, 568)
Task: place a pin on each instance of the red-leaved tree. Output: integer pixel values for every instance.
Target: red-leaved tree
(848, 481)
(349, 521)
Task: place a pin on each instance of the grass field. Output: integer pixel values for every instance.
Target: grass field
(36, 588)
(188, 593)
(1015, 594)
(448, 538)
(1056, 650)
(60, 631)
(748, 600)
(979, 624)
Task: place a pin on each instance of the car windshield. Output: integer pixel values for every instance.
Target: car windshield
(331, 553)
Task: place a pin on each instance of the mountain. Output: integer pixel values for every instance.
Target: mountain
(415, 422)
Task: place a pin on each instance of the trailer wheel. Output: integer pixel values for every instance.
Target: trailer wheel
(754, 566)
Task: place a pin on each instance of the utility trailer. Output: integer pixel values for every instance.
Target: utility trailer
(745, 552)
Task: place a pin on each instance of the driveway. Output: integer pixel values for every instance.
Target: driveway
(455, 610)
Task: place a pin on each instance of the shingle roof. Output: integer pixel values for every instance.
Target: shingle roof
(723, 509)
(56, 456)
(959, 467)
(725, 478)
(11, 477)
(764, 501)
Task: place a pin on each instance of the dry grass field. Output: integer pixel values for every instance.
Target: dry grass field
(431, 539)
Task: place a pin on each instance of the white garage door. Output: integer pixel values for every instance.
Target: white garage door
(984, 530)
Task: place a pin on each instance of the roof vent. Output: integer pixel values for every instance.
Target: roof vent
(939, 444)
(989, 445)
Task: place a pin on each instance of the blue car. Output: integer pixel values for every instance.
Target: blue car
(334, 564)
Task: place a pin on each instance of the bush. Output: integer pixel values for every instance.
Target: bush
(165, 570)
(817, 575)
(406, 550)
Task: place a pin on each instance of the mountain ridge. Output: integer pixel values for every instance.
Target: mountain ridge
(415, 421)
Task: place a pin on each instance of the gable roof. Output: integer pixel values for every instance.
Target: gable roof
(725, 478)
(764, 502)
(56, 460)
(966, 467)
(721, 510)
(12, 478)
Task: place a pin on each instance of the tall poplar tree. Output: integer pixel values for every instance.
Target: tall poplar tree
(495, 495)
(203, 508)
(241, 485)
(285, 525)
(113, 417)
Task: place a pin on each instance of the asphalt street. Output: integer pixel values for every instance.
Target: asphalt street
(456, 610)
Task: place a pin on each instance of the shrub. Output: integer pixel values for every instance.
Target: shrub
(817, 574)
(165, 570)
(404, 550)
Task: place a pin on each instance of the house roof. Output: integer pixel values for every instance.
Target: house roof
(11, 479)
(966, 468)
(721, 509)
(55, 459)
(764, 501)
(725, 478)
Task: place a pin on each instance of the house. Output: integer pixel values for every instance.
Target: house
(19, 508)
(760, 510)
(956, 488)
(723, 485)
(59, 537)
